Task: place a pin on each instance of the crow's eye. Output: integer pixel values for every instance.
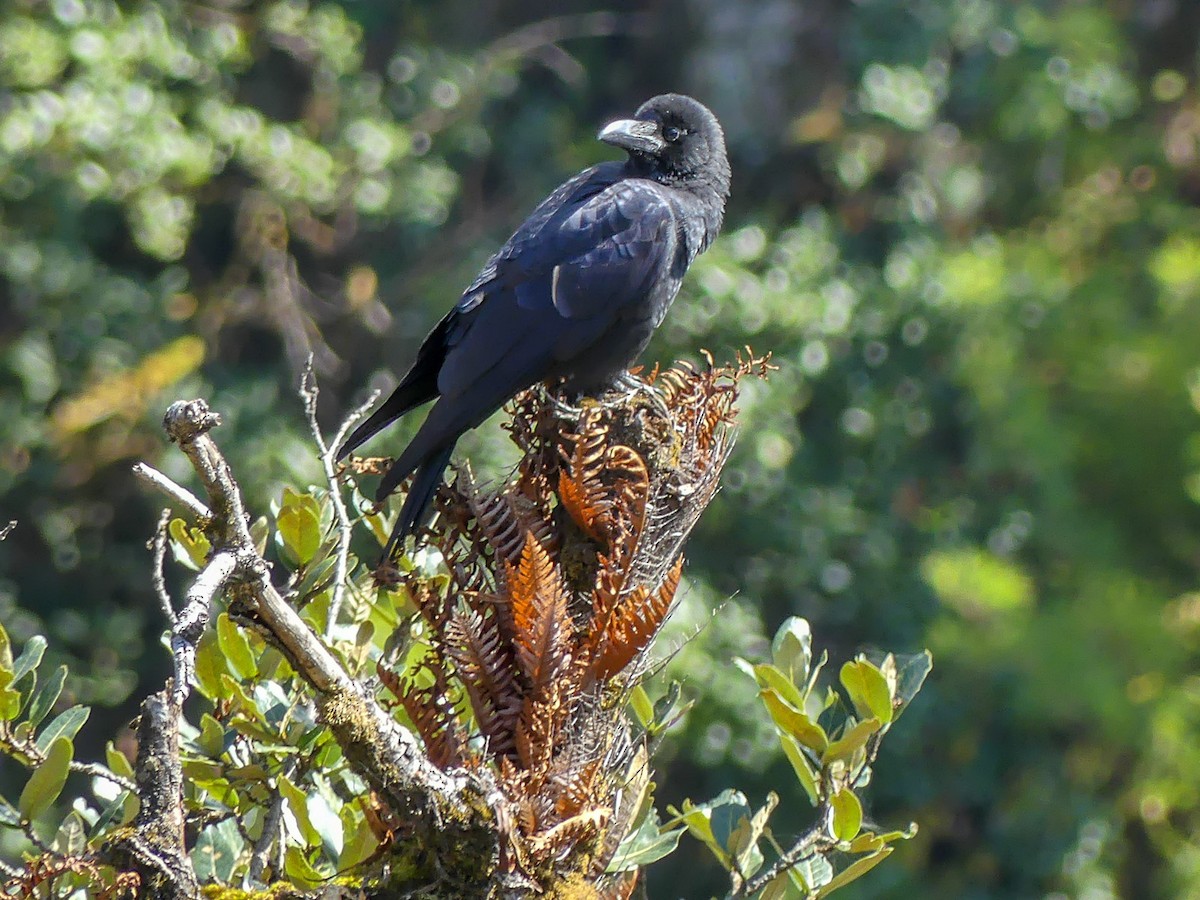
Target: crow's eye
(672, 134)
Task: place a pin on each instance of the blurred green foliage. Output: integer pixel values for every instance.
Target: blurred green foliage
(967, 231)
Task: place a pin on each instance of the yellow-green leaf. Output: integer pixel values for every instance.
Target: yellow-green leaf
(300, 870)
(801, 766)
(47, 780)
(299, 525)
(774, 679)
(851, 742)
(118, 762)
(868, 690)
(854, 871)
(792, 721)
(298, 803)
(643, 708)
(236, 647)
(360, 841)
(190, 546)
(847, 816)
(210, 666)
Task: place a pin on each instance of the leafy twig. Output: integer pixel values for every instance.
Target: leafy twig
(812, 841)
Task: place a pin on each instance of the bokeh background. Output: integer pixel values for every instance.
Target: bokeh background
(967, 229)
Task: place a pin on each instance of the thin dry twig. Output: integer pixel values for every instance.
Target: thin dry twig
(98, 771)
(159, 545)
(308, 393)
(176, 492)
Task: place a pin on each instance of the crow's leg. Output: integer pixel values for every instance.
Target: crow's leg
(562, 408)
(630, 385)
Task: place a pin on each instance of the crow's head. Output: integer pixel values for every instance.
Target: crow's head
(673, 139)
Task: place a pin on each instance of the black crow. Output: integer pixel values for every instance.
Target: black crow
(574, 294)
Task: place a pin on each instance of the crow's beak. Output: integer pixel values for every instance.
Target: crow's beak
(634, 135)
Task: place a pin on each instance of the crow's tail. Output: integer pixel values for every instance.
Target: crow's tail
(415, 511)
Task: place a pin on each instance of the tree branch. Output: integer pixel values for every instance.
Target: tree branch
(179, 494)
(154, 846)
(454, 811)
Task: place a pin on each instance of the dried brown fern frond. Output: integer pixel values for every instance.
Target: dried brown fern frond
(559, 581)
(435, 718)
(485, 666)
(633, 624)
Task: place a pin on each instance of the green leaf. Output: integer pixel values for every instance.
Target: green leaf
(46, 696)
(854, 871)
(712, 822)
(774, 678)
(324, 818)
(211, 739)
(65, 724)
(6, 658)
(47, 780)
(211, 664)
(10, 703)
(236, 648)
(787, 885)
(851, 742)
(190, 546)
(743, 842)
(642, 707)
(300, 870)
(30, 658)
(71, 837)
(815, 870)
(298, 803)
(9, 817)
(360, 840)
(792, 721)
(10, 697)
(911, 672)
(298, 526)
(791, 649)
(805, 773)
(868, 690)
(665, 712)
(645, 845)
(846, 821)
(119, 812)
(217, 851)
(728, 823)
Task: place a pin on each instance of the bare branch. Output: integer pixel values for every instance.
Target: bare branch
(192, 619)
(159, 545)
(98, 771)
(179, 494)
(308, 393)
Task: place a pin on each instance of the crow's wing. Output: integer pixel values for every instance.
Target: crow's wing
(556, 289)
